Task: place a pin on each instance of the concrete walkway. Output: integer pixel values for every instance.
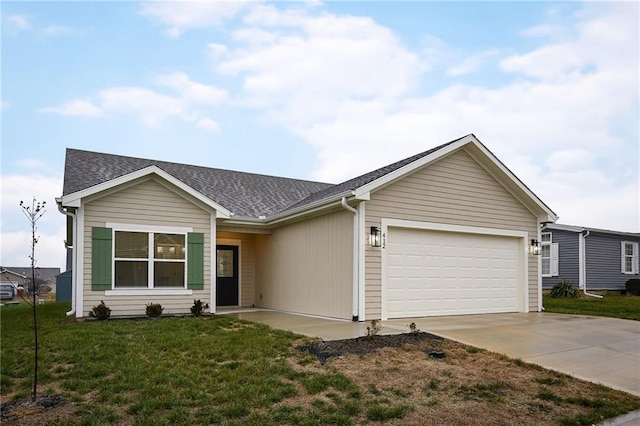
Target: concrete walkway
(597, 349)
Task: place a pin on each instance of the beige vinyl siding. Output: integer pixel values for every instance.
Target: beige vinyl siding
(455, 190)
(146, 202)
(247, 264)
(306, 267)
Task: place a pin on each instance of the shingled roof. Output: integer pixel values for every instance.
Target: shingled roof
(245, 194)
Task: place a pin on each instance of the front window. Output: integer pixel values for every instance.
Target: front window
(149, 260)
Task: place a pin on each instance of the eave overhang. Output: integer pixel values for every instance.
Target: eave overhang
(75, 199)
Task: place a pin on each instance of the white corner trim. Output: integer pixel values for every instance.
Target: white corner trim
(362, 263)
(73, 200)
(149, 292)
(79, 271)
(212, 265)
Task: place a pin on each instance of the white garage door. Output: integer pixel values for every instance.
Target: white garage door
(434, 273)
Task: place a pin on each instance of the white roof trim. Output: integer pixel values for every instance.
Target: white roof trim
(389, 177)
(573, 228)
(74, 199)
(469, 139)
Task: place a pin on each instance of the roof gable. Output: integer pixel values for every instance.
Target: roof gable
(241, 194)
(45, 274)
(253, 196)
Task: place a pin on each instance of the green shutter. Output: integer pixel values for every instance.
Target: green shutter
(195, 260)
(101, 262)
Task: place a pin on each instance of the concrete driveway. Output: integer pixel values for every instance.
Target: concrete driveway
(597, 349)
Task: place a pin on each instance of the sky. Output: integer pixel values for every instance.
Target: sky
(322, 91)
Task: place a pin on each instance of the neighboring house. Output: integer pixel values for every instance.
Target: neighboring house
(45, 277)
(597, 258)
(11, 276)
(63, 287)
(444, 232)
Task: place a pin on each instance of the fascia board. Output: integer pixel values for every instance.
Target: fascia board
(396, 174)
(560, 227)
(74, 199)
(308, 209)
(573, 228)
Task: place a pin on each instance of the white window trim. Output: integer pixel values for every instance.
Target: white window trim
(554, 261)
(624, 256)
(150, 290)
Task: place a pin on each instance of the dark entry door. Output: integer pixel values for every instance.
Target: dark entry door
(227, 282)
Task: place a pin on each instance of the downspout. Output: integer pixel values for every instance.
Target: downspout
(73, 256)
(356, 253)
(585, 234)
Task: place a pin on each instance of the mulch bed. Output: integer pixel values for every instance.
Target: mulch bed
(11, 410)
(365, 344)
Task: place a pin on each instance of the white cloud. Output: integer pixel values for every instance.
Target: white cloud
(208, 124)
(180, 16)
(4, 105)
(57, 31)
(472, 63)
(49, 251)
(349, 87)
(17, 22)
(15, 246)
(151, 107)
(192, 92)
(312, 62)
(30, 163)
(76, 108)
(217, 49)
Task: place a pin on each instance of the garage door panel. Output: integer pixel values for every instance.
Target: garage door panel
(432, 273)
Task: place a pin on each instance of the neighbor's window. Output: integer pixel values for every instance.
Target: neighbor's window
(549, 255)
(149, 260)
(629, 257)
(545, 253)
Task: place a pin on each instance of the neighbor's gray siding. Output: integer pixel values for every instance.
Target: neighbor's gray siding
(568, 258)
(604, 262)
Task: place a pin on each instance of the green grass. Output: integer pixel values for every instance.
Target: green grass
(220, 370)
(625, 307)
(169, 371)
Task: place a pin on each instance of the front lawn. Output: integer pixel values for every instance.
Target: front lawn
(218, 370)
(625, 307)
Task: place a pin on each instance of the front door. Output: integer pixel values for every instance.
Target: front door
(227, 275)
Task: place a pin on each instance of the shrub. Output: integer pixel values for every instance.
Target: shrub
(563, 290)
(633, 286)
(198, 307)
(100, 312)
(154, 310)
(374, 329)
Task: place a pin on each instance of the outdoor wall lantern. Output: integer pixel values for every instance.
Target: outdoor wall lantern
(534, 248)
(374, 237)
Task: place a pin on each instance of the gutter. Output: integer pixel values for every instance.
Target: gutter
(307, 208)
(356, 255)
(583, 265)
(74, 255)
